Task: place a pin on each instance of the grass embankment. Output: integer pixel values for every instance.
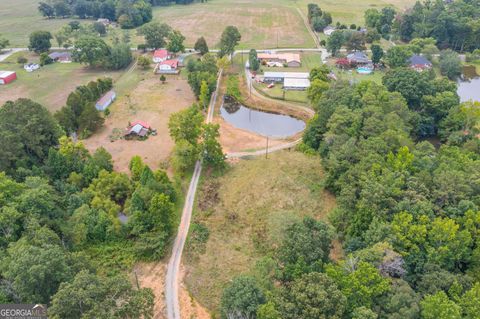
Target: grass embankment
(246, 212)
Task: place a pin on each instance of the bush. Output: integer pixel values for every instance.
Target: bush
(45, 59)
(22, 60)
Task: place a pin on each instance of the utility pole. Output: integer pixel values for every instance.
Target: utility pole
(266, 150)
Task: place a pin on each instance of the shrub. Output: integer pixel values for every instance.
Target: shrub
(22, 60)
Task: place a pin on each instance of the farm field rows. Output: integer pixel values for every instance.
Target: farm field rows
(263, 24)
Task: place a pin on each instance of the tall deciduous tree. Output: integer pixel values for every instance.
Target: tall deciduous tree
(253, 60)
(40, 41)
(175, 42)
(229, 40)
(89, 295)
(201, 46)
(155, 34)
(241, 298)
(27, 131)
(91, 50)
(335, 42)
(313, 296)
(377, 53)
(211, 149)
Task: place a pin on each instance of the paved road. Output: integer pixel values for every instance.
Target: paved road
(6, 53)
(172, 279)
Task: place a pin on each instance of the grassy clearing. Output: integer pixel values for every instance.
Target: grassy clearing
(51, 84)
(279, 94)
(263, 24)
(245, 212)
(18, 18)
(352, 11)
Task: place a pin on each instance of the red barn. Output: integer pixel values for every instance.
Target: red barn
(7, 77)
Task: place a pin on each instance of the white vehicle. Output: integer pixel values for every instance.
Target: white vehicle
(31, 67)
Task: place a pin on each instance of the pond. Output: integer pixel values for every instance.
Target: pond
(263, 123)
(469, 85)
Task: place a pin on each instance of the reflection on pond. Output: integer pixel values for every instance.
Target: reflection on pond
(469, 85)
(263, 123)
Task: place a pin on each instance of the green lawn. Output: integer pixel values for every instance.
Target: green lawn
(18, 18)
(51, 84)
(349, 12)
(277, 93)
(263, 24)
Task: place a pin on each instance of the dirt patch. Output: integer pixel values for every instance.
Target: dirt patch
(234, 139)
(153, 103)
(189, 307)
(209, 195)
(152, 275)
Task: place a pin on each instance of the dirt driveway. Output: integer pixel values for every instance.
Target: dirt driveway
(151, 102)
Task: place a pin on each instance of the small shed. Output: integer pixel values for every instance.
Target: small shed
(105, 100)
(296, 84)
(7, 77)
(160, 55)
(138, 128)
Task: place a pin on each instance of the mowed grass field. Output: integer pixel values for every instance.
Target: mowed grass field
(51, 84)
(352, 11)
(18, 18)
(246, 214)
(262, 23)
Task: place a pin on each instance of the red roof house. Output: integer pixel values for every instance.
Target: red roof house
(7, 77)
(160, 55)
(168, 67)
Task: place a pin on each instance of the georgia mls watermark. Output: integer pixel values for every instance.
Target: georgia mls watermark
(23, 311)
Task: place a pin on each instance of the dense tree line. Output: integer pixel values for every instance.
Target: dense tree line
(453, 24)
(407, 212)
(317, 18)
(79, 115)
(203, 70)
(93, 51)
(194, 140)
(58, 201)
(128, 14)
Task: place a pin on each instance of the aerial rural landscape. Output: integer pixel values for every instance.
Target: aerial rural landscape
(240, 159)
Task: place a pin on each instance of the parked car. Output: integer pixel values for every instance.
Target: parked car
(271, 85)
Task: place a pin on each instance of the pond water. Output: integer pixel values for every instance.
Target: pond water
(263, 123)
(469, 85)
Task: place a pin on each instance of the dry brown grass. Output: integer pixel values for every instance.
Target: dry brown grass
(149, 101)
(258, 198)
